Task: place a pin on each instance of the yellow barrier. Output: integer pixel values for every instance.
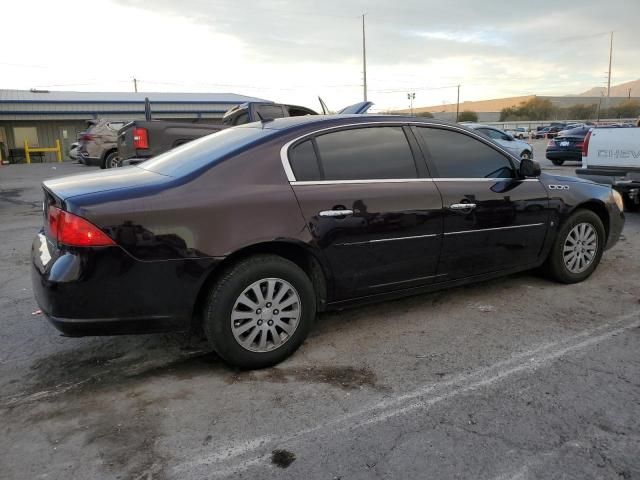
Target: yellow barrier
(28, 150)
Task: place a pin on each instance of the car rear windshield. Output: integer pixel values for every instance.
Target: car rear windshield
(206, 151)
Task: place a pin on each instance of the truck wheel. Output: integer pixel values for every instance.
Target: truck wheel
(631, 204)
(259, 312)
(557, 162)
(111, 160)
(577, 249)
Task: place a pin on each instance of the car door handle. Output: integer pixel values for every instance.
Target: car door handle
(462, 206)
(335, 213)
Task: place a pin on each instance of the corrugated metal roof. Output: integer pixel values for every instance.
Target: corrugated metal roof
(29, 96)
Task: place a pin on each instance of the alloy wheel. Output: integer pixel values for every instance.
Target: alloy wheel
(580, 247)
(265, 315)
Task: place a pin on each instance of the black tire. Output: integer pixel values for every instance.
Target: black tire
(526, 155)
(110, 159)
(228, 289)
(629, 204)
(557, 162)
(555, 265)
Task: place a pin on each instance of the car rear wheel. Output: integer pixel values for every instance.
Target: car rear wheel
(111, 160)
(526, 155)
(577, 248)
(557, 162)
(259, 312)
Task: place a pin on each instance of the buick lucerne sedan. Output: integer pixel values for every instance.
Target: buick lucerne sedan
(249, 232)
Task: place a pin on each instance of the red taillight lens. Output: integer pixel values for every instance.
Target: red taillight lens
(72, 230)
(585, 144)
(86, 137)
(580, 145)
(140, 139)
(552, 143)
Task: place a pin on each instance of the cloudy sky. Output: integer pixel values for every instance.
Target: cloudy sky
(294, 50)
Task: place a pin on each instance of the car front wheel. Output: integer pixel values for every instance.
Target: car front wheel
(259, 312)
(577, 248)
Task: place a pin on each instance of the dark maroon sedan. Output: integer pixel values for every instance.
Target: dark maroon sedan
(248, 232)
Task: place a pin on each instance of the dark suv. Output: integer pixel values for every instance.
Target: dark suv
(248, 232)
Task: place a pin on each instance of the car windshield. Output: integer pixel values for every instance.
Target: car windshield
(206, 151)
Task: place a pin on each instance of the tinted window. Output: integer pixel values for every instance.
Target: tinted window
(206, 151)
(366, 154)
(456, 155)
(303, 162)
(270, 111)
(491, 133)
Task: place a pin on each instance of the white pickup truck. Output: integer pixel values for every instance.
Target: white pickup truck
(612, 156)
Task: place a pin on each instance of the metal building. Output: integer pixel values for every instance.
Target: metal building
(41, 116)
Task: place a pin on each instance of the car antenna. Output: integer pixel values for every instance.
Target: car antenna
(262, 119)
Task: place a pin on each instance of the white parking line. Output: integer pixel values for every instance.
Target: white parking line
(230, 458)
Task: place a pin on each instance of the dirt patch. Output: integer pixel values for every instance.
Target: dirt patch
(282, 458)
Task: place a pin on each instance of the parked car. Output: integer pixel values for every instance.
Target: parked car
(542, 133)
(612, 156)
(517, 147)
(143, 139)
(73, 151)
(248, 232)
(518, 132)
(567, 146)
(99, 143)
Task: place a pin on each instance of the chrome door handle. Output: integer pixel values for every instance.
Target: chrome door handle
(462, 206)
(335, 213)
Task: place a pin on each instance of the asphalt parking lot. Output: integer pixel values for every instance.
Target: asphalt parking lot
(518, 378)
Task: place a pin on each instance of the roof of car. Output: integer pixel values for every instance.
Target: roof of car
(291, 122)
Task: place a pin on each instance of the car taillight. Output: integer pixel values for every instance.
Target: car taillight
(140, 139)
(585, 144)
(86, 137)
(552, 143)
(580, 145)
(73, 230)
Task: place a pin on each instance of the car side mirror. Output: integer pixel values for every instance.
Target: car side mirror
(529, 168)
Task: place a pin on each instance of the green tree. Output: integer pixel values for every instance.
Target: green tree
(468, 116)
(533, 109)
(424, 114)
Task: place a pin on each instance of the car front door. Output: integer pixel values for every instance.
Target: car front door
(370, 207)
(493, 219)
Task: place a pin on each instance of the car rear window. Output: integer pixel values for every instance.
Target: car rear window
(206, 151)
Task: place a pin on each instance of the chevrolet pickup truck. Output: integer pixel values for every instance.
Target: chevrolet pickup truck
(612, 156)
(142, 139)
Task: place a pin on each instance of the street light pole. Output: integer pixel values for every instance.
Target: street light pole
(364, 60)
(411, 96)
(458, 104)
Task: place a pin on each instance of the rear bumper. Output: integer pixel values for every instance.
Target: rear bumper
(105, 291)
(566, 155)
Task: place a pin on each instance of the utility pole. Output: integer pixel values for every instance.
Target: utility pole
(609, 76)
(135, 85)
(458, 104)
(364, 60)
(411, 97)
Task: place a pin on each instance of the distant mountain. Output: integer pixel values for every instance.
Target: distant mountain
(621, 90)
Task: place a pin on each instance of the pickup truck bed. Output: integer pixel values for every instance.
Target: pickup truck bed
(141, 139)
(612, 156)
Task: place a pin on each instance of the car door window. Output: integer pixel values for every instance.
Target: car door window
(304, 162)
(270, 111)
(458, 155)
(366, 154)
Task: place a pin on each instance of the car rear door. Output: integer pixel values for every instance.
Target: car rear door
(492, 220)
(370, 207)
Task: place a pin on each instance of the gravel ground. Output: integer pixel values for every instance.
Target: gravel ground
(517, 378)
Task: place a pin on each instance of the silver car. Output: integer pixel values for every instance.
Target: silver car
(519, 148)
